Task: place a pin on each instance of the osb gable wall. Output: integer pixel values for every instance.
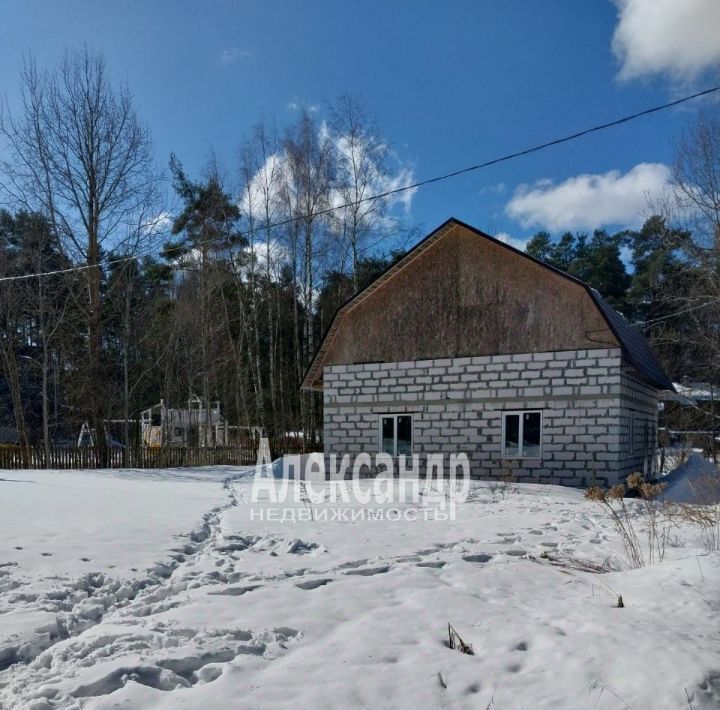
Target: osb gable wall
(464, 296)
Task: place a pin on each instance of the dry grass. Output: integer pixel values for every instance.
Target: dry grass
(503, 486)
(705, 514)
(657, 515)
(571, 566)
(305, 497)
(456, 643)
(573, 563)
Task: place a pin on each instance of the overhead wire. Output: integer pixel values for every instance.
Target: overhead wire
(389, 193)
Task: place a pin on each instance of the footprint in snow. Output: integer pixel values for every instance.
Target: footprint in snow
(352, 564)
(516, 553)
(369, 571)
(481, 557)
(46, 554)
(432, 564)
(236, 591)
(313, 583)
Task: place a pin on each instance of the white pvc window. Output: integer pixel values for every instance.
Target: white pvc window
(396, 433)
(522, 435)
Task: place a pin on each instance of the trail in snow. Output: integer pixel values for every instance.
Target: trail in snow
(84, 602)
(159, 655)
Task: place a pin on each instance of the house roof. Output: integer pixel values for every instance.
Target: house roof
(634, 345)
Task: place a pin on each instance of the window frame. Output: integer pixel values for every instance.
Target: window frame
(395, 416)
(521, 453)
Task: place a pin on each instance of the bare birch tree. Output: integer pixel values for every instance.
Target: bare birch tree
(309, 166)
(361, 171)
(261, 173)
(81, 156)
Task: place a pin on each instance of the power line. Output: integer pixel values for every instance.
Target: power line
(404, 188)
(678, 313)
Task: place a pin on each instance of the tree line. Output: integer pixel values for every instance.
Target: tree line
(661, 278)
(223, 287)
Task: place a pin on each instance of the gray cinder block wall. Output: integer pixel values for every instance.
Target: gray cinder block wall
(587, 398)
(639, 420)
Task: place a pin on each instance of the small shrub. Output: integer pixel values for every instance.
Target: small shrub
(507, 485)
(503, 486)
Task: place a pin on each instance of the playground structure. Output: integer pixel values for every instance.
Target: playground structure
(192, 425)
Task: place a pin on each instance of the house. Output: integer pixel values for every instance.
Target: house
(469, 345)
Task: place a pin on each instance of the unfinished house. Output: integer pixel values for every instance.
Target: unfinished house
(469, 345)
(192, 425)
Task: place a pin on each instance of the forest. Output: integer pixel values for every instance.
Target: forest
(158, 284)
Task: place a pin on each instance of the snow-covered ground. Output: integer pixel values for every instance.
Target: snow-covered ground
(166, 589)
(685, 484)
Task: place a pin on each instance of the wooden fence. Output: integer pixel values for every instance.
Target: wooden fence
(74, 457)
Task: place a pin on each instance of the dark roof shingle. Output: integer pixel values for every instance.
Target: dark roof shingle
(634, 344)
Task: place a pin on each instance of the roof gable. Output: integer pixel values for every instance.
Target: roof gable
(600, 317)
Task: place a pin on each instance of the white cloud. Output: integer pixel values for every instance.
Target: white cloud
(366, 153)
(680, 38)
(272, 181)
(230, 55)
(265, 187)
(512, 241)
(267, 183)
(590, 201)
(160, 223)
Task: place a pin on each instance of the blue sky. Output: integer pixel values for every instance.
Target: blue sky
(450, 84)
